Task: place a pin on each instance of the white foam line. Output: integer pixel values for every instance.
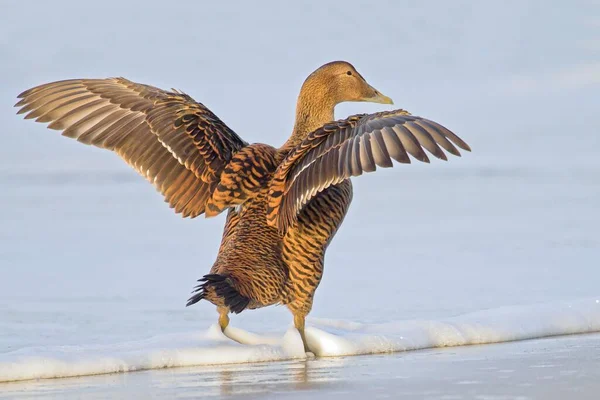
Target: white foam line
(498, 325)
(332, 338)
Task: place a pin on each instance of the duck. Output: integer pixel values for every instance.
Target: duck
(283, 205)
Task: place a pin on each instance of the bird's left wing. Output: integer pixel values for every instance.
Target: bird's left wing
(349, 147)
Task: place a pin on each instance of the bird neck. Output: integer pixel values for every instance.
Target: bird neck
(314, 109)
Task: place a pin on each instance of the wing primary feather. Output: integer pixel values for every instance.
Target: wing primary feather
(380, 153)
(48, 88)
(410, 143)
(105, 126)
(425, 139)
(84, 126)
(438, 137)
(450, 135)
(47, 112)
(31, 103)
(394, 146)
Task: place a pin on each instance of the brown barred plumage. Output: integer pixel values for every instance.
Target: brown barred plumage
(284, 205)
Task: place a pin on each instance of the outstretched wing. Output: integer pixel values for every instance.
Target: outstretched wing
(179, 145)
(346, 148)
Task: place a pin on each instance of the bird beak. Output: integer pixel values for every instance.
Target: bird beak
(378, 97)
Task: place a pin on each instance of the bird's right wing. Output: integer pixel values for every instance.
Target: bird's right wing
(349, 147)
(178, 144)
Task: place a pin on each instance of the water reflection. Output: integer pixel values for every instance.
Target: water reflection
(268, 377)
(193, 382)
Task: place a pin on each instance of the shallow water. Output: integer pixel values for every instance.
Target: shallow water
(553, 369)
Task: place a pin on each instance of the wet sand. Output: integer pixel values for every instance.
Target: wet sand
(552, 368)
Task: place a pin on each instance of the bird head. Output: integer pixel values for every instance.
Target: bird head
(339, 81)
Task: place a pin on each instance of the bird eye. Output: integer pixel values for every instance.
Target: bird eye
(349, 73)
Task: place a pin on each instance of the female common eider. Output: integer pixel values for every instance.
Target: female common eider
(284, 205)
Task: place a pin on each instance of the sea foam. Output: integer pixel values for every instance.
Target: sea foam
(325, 338)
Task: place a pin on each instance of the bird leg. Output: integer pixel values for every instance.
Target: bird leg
(223, 317)
(224, 322)
(299, 324)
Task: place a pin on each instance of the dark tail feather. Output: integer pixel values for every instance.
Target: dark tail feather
(223, 289)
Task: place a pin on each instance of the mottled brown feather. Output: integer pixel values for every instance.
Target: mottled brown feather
(248, 171)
